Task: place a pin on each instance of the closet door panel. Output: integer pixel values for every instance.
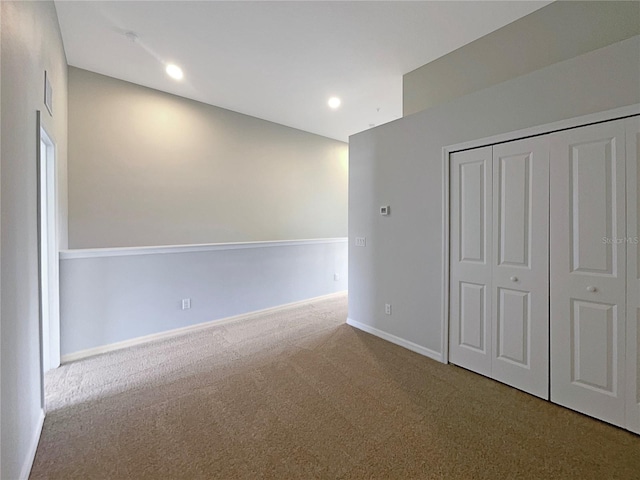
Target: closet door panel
(513, 327)
(520, 274)
(633, 275)
(588, 270)
(470, 260)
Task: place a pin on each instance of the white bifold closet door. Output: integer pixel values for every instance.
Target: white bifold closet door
(588, 270)
(470, 259)
(520, 274)
(499, 263)
(633, 275)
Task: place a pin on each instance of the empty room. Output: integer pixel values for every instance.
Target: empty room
(319, 239)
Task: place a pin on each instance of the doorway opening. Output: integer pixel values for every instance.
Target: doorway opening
(48, 252)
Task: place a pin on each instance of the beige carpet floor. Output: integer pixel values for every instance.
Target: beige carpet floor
(298, 394)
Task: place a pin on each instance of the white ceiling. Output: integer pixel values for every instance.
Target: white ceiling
(280, 61)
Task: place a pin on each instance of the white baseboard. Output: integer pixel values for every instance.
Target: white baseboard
(90, 352)
(414, 347)
(33, 448)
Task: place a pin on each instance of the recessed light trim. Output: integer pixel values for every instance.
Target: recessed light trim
(334, 102)
(174, 71)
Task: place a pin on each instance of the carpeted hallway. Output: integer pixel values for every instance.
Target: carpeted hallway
(298, 394)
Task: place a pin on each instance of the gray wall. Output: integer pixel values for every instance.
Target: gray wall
(30, 44)
(115, 298)
(400, 164)
(149, 168)
(556, 32)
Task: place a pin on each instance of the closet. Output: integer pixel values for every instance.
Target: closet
(544, 267)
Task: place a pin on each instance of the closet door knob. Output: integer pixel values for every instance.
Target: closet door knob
(514, 279)
(592, 289)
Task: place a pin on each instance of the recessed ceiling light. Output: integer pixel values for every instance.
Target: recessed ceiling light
(174, 71)
(334, 102)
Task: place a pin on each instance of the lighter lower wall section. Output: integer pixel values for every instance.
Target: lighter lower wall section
(554, 33)
(110, 296)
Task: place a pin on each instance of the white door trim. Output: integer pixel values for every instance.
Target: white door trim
(632, 414)
(47, 173)
(576, 122)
